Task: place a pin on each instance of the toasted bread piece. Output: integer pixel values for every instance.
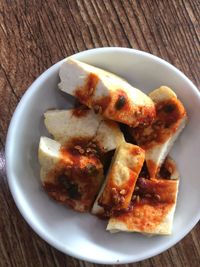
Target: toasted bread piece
(151, 211)
(68, 176)
(106, 93)
(117, 190)
(83, 123)
(158, 138)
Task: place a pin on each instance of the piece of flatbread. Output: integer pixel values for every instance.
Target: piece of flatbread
(83, 123)
(69, 177)
(106, 93)
(158, 138)
(118, 187)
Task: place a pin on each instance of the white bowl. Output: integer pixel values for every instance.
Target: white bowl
(82, 235)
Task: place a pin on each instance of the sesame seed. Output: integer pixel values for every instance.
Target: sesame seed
(133, 197)
(157, 196)
(123, 192)
(138, 199)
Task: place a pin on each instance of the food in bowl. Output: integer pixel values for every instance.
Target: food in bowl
(106, 93)
(76, 158)
(152, 206)
(68, 176)
(157, 139)
(116, 193)
(83, 123)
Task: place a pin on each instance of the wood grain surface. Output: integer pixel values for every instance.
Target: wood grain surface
(36, 34)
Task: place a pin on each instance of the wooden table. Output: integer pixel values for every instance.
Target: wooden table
(36, 34)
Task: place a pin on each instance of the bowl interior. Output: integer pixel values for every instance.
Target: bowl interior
(83, 235)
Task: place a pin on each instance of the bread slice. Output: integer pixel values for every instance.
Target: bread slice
(115, 194)
(68, 176)
(158, 138)
(106, 93)
(82, 123)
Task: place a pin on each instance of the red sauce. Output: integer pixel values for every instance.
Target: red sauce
(123, 110)
(147, 116)
(84, 93)
(117, 197)
(136, 151)
(80, 111)
(167, 169)
(116, 106)
(154, 191)
(120, 107)
(169, 114)
(149, 211)
(76, 178)
(145, 217)
(121, 101)
(83, 146)
(101, 104)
